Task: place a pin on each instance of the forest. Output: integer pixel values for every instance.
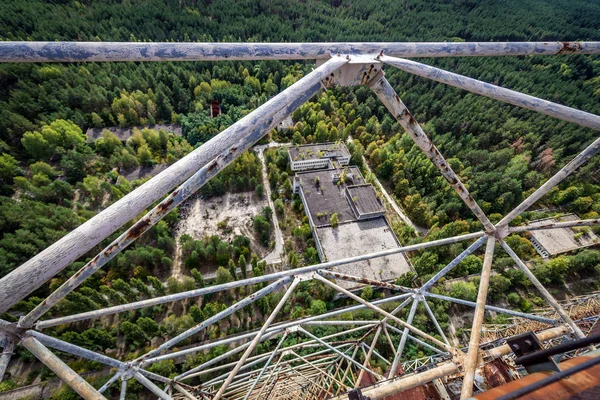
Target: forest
(52, 178)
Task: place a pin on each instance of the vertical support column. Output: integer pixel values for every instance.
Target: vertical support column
(62, 370)
(123, 388)
(473, 354)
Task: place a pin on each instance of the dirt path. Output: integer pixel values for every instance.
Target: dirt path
(274, 257)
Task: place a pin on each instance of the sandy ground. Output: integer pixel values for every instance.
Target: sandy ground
(199, 218)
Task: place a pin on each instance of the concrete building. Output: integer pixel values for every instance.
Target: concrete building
(313, 156)
(550, 242)
(362, 227)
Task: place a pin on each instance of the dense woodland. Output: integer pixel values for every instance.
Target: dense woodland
(52, 179)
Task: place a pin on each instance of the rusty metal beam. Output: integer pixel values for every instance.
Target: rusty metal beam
(189, 51)
(36, 271)
(62, 370)
(392, 102)
(151, 386)
(473, 353)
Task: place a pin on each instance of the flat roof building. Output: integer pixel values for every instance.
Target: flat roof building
(313, 156)
(362, 227)
(550, 242)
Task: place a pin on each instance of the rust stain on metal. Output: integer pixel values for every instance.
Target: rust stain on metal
(139, 228)
(213, 165)
(497, 373)
(570, 47)
(164, 206)
(587, 381)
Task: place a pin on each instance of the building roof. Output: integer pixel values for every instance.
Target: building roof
(561, 240)
(319, 150)
(123, 134)
(326, 197)
(364, 197)
(363, 237)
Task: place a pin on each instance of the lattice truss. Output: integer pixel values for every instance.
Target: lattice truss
(283, 373)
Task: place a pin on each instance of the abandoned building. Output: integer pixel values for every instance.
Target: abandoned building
(550, 242)
(347, 219)
(314, 156)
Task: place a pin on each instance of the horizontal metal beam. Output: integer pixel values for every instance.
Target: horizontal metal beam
(496, 92)
(39, 269)
(136, 51)
(250, 281)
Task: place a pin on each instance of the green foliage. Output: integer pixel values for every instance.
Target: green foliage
(464, 290)
(317, 307)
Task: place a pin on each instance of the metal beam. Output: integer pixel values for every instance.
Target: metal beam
(5, 357)
(545, 293)
(74, 350)
(518, 314)
(256, 340)
(468, 251)
(172, 201)
(496, 92)
(372, 306)
(190, 51)
(473, 353)
(411, 316)
(369, 355)
(215, 318)
(151, 386)
(392, 102)
(110, 382)
(330, 347)
(43, 266)
(250, 281)
(62, 370)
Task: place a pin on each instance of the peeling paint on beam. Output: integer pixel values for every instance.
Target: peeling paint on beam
(496, 92)
(39, 269)
(189, 51)
(172, 201)
(388, 96)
